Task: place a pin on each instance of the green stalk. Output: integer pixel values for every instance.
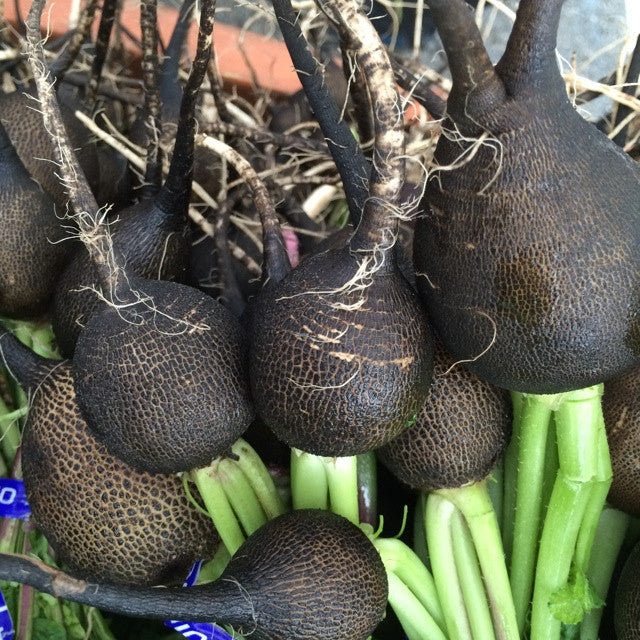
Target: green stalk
(217, 504)
(495, 487)
(534, 417)
(259, 478)
(578, 425)
(241, 496)
(309, 485)
(419, 532)
(438, 515)
(342, 478)
(213, 569)
(510, 473)
(474, 503)
(610, 533)
(601, 485)
(415, 620)
(10, 431)
(400, 560)
(470, 577)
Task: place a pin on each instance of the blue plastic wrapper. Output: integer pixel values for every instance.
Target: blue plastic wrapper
(13, 504)
(197, 630)
(6, 626)
(13, 501)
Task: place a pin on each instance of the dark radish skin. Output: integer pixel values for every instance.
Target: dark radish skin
(529, 252)
(153, 236)
(20, 115)
(341, 352)
(34, 247)
(458, 435)
(162, 359)
(164, 390)
(306, 574)
(104, 519)
(626, 614)
(449, 451)
(621, 410)
(528, 260)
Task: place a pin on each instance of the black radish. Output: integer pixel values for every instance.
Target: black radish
(341, 351)
(458, 435)
(528, 254)
(33, 249)
(528, 260)
(621, 410)
(161, 369)
(152, 236)
(450, 449)
(305, 574)
(103, 518)
(627, 599)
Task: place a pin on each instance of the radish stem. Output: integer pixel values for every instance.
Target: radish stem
(241, 496)
(474, 503)
(610, 533)
(400, 560)
(309, 485)
(582, 455)
(438, 516)
(259, 478)
(342, 477)
(534, 415)
(318, 482)
(510, 465)
(470, 577)
(217, 504)
(415, 620)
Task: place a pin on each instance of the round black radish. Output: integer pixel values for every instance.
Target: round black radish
(303, 575)
(621, 410)
(528, 255)
(104, 519)
(337, 372)
(626, 614)
(341, 352)
(458, 435)
(33, 250)
(20, 115)
(163, 382)
(154, 243)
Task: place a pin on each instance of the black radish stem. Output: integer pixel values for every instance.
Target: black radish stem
(305, 574)
(65, 59)
(344, 149)
(106, 520)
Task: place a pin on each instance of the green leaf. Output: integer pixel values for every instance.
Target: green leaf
(571, 602)
(44, 629)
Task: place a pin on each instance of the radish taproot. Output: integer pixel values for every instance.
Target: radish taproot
(306, 574)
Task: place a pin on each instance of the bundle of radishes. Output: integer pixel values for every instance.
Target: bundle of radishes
(514, 266)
